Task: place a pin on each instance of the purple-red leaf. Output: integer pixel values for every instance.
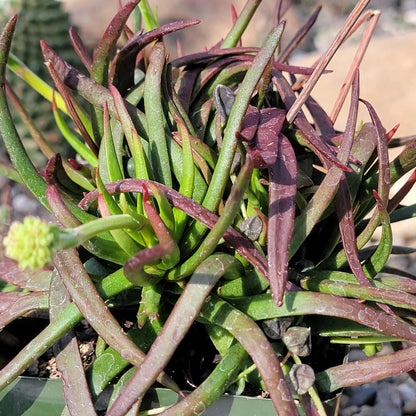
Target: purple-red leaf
(236, 53)
(56, 175)
(212, 54)
(95, 311)
(311, 137)
(249, 124)
(15, 304)
(243, 245)
(108, 43)
(185, 85)
(80, 49)
(93, 92)
(134, 267)
(402, 192)
(264, 147)
(68, 359)
(300, 34)
(59, 209)
(322, 121)
(71, 105)
(368, 370)
(25, 279)
(347, 229)
(122, 67)
(383, 155)
(282, 198)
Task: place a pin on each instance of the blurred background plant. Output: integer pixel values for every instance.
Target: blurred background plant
(38, 19)
(204, 201)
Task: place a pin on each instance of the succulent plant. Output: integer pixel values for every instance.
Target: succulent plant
(203, 195)
(38, 19)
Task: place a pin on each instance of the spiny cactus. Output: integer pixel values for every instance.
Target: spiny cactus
(38, 19)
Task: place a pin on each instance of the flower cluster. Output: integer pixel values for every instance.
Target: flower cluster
(31, 242)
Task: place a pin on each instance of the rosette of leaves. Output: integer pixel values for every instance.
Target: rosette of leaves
(38, 19)
(212, 201)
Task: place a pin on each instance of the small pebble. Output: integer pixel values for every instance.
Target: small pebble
(388, 400)
(369, 411)
(407, 392)
(409, 407)
(349, 411)
(360, 395)
(25, 205)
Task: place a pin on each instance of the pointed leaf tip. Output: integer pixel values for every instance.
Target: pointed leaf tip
(5, 43)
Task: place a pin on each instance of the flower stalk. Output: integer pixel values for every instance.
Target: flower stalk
(34, 242)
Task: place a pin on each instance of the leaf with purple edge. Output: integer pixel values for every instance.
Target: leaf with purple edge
(376, 262)
(102, 56)
(24, 166)
(109, 161)
(108, 43)
(259, 307)
(156, 117)
(161, 222)
(73, 108)
(134, 268)
(349, 288)
(84, 151)
(184, 85)
(56, 175)
(136, 145)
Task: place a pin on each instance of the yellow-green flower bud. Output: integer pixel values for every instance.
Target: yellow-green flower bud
(34, 242)
(31, 242)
